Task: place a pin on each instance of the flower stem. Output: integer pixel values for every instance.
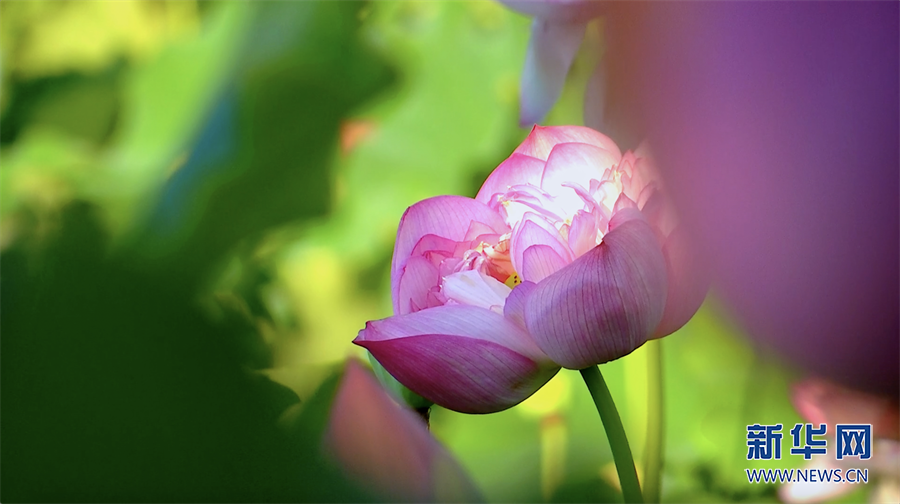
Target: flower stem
(615, 432)
(654, 453)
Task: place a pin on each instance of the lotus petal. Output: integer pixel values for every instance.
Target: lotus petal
(606, 303)
(434, 248)
(542, 139)
(688, 280)
(474, 288)
(387, 448)
(517, 169)
(539, 262)
(464, 358)
(448, 217)
(574, 163)
(582, 233)
(531, 231)
(418, 278)
(516, 303)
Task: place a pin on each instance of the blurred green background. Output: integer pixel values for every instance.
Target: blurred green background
(198, 203)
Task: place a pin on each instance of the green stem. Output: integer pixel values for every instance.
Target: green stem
(654, 453)
(615, 432)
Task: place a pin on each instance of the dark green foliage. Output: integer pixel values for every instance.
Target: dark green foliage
(118, 386)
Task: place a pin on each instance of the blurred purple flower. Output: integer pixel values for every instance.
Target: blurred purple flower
(388, 449)
(776, 127)
(568, 256)
(556, 34)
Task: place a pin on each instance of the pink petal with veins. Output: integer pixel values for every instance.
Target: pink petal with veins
(534, 230)
(478, 229)
(464, 358)
(539, 262)
(516, 303)
(418, 278)
(606, 303)
(434, 248)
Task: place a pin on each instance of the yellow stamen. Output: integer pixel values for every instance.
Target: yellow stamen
(513, 280)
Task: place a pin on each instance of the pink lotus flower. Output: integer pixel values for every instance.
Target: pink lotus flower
(388, 449)
(568, 256)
